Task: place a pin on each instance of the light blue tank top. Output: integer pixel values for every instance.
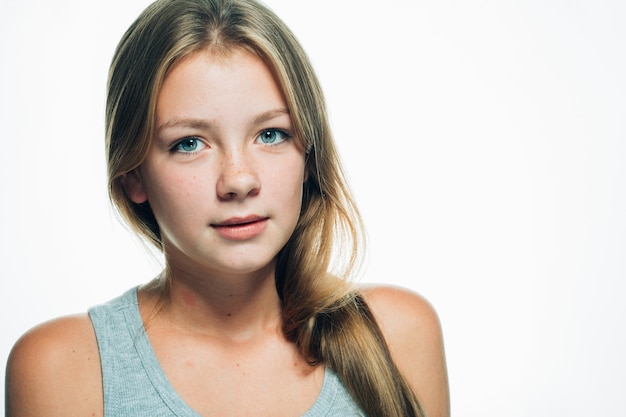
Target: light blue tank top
(136, 386)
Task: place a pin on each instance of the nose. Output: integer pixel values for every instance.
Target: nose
(238, 176)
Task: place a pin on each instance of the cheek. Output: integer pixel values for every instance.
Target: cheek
(282, 184)
(170, 192)
(290, 182)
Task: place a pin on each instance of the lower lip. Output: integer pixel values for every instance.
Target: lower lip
(242, 231)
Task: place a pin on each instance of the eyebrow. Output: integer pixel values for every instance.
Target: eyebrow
(202, 124)
(269, 115)
(192, 123)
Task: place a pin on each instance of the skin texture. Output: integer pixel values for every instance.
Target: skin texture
(224, 178)
(413, 332)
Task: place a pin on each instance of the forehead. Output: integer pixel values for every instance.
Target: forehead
(210, 81)
(209, 61)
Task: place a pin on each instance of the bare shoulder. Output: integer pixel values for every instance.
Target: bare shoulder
(399, 307)
(54, 370)
(412, 330)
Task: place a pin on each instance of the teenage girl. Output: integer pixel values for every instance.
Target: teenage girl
(220, 154)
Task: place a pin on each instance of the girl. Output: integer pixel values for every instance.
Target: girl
(220, 154)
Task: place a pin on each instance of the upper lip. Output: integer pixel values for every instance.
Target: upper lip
(236, 221)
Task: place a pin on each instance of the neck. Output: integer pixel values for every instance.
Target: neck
(236, 307)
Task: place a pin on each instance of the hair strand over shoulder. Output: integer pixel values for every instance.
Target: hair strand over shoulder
(322, 313)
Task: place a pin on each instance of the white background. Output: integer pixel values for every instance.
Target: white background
(485, 141)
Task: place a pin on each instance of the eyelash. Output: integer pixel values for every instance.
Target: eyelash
(176, 147)
(286, 136)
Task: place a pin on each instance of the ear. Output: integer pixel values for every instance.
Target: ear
(133, 187)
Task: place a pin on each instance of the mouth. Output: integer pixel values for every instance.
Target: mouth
(239, 221)
(241, 228)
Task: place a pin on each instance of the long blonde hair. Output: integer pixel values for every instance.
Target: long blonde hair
(322, 314)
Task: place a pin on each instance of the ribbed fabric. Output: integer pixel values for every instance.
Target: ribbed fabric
(135, 385)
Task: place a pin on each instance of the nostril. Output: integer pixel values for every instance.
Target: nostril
(228, 196)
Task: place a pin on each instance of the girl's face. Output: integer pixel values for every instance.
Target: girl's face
(224, 174)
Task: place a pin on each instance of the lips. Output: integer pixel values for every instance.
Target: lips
(241, 228)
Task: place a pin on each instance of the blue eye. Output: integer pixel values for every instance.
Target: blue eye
(188, 145)
(272, 136)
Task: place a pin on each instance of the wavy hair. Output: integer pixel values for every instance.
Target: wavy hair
(322, 313)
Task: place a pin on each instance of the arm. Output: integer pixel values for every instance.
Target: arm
(411, 328)
(54, 370)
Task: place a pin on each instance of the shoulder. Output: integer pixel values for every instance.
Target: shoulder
(397, 307)
(54, 370)
(412, 330)
(408, 321)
